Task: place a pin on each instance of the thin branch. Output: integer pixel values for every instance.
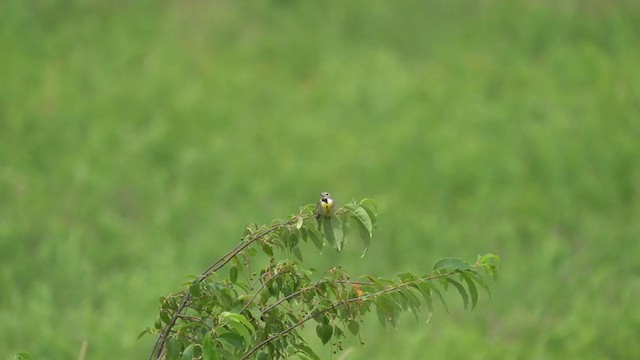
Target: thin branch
(292, 295)
(309, 287)
(339, 303)
(194, 318)
(217, 265)
(262, 286)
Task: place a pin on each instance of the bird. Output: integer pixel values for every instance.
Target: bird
(325, 205)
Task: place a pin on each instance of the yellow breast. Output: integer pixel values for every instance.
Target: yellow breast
(327, 206)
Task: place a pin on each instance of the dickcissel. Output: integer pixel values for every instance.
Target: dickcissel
(325, 205)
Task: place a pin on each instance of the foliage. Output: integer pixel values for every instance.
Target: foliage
(134, 132)
(259, 313)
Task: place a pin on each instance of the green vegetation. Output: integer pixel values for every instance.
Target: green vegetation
(259, 311)
(138, 138)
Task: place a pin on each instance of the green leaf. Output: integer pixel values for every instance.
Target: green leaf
(225, 354)
(143, 333)
(451, 264)
(365, 237)
(473, 290)
(240, 325)
(345, 229)
(299, 223)
(329, 232)
(233, 274)
(233, 339)
(238, 318)
(324, 332)
(194, 289)
(371, 208)
(303, 233)
(173, 348)
(406, 277)
(297, 253)
(363, 222)
(411, 296)
(383, 316)
(462, 291)
(165, 317)
(437, 292)
(208, 350)
(338, 231)
(22, 356)
(316, 238)
(307, 351)
(266, 248)
(480, 280)
(361, 216)
(490, 263)
(354, 327)
(238, 330)
(187, 354)
(262, 356)
(489, 259)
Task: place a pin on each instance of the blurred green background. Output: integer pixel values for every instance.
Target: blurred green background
(138, 138)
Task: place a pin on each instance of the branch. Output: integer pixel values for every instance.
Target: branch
(217, 265)
(307, 288)
(339, 303)
(264, 284)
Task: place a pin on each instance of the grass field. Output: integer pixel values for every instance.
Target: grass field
(138, 138)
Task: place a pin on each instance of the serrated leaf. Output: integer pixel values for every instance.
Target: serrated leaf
(329, 233)
(345, 229)
(239, 330)
(406, 277)
(239, 318)
(173, 348)
(208, 350)
(233, 274)
(240, 325)
(233, 339)
(437, 292)
(308, 352)
(324, 332)
(225, 354)
(164, 316)
(371, 208)
(383, 317)
(451, 264)
(480, 280)
(462, 291)
(316, 238)
(490, 259)
(187, 354)
(354, 327)
(360, 215)
(143, 333)
(365, 236)
(473, 290)
(304, 234)
(338, 231)
(412, 297)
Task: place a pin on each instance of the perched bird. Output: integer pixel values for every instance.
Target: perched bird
(325, 205)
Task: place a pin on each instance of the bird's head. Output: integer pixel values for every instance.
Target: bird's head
(325, 196)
